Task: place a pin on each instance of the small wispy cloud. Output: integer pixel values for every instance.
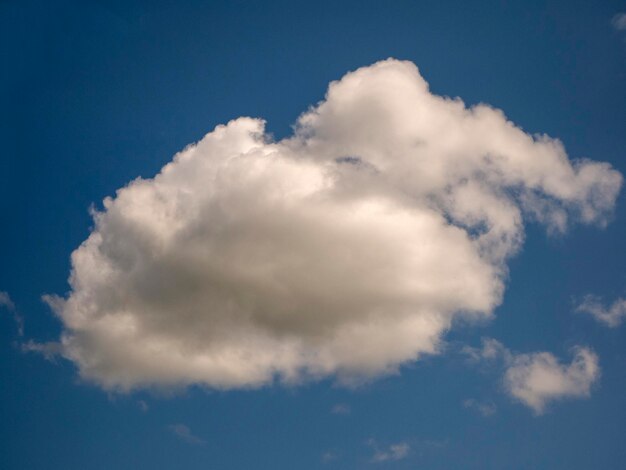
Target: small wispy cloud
(490, 350)
(341, 409)
(484, 408)
(396, 451)
(7, 303)
(612, 315)
(619, 21)
(50, 350)
(143, 406)
(536, 379)
(329, 456)
(183, 432)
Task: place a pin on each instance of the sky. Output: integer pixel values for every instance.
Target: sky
(312, 235)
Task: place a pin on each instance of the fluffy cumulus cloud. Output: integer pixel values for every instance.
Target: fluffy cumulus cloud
(344, 250)
(535, 379)
(612, 315)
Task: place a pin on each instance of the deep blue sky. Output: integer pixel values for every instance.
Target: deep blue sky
(94, 94)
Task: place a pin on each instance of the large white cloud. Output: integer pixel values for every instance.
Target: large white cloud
(347, 249)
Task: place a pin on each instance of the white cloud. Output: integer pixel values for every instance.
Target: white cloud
(611, 316)
(345, 250)
(538, 378)
(397, 451)
(183, 432)
(619, 21)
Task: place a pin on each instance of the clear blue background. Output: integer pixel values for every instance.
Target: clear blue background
(94, 94)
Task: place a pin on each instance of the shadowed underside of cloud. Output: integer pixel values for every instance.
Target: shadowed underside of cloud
(345, 250)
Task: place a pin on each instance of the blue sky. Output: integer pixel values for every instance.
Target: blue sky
(96, 94)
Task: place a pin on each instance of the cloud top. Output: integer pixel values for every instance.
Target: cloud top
(345, 250)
